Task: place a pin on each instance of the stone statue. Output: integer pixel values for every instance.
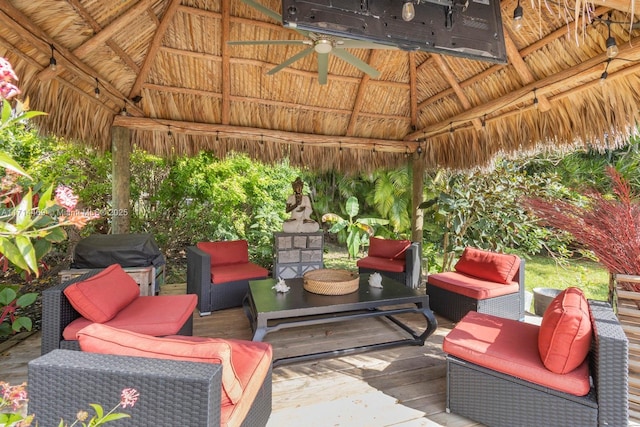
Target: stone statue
(299, 205)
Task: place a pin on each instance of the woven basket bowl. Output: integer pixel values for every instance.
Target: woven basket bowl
(331, 282)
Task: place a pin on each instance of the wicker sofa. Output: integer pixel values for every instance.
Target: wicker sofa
(172, 393)
(483, 281)
(395, 259)
(498, 399)
(219, 273)
(155, 315)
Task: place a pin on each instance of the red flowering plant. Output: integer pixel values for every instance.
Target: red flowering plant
(32, 215)
(606, 224)
(13, 406)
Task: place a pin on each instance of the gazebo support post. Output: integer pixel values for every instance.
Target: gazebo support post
(417, 217)
(121, 179)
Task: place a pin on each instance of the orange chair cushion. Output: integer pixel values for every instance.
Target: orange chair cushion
(387, 248)
(97, 338)
(565, 332)
(510, 347)
(470, 286)
(153, 315)
(102, 296)
(383, 264)
(488, 265)
(234, 272)
(226, 252)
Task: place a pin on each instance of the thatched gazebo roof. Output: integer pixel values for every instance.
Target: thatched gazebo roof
(200, 93)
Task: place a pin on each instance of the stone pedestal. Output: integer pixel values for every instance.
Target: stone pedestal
(297, 253)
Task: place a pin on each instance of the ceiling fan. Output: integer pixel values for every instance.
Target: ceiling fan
(322, 44)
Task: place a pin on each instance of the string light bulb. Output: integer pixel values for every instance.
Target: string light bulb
(96, 91)
(408, 11)
(612, 46)
(536, 103)
(53, 64)
(605, 73)
(517, 17)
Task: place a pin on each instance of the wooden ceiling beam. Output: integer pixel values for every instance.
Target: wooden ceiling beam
(257, 134)
(558, 81)
(101, 37)
(357, 103)
(448, 75)
(15, 20)
(413, 90)
(283, 104)
(95, 26)
(626, 6)
(154, 47)
(226, 65)
(522, 69)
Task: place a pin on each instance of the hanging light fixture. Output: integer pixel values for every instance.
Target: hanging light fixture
(605, 74)
(612, 46)
(517, 17)
(408, 10)
(53, 64)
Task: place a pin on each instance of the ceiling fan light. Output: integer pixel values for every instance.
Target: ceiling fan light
(323, 46)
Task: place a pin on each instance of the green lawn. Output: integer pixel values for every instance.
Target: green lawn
(540, 272)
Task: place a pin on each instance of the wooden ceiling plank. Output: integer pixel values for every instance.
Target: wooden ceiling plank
(448, 75)
(629, 51)
(154, 47)
(258, 134)
(526, 76)
(226, 65)
(18, 22)
(627, 6)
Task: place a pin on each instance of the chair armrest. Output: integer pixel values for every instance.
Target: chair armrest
(413, 265)
(521, 290)
(199, 273)
(609, 365)
(171, 392)
(57, 312)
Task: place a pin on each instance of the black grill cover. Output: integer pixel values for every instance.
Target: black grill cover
(128, 250)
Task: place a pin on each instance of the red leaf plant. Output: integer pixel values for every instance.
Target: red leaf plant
(609, 226)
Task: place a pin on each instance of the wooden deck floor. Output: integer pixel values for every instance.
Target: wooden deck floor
(402, 386)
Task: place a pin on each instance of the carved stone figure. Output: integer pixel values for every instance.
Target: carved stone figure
(299, 206)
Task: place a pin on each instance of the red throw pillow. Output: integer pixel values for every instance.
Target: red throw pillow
(491, 266)
(226, 252)
(104, 339)
(102, 296)
(565, 334)
(387, 248)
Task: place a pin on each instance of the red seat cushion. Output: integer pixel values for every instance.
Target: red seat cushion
(470, 286)
(387, 248)
(565, 332)
(157, 316)
(226, 252)
(487, 265)
(384, 264)
(102, 296)
(97, 338)
(510, 347)
(235, 272)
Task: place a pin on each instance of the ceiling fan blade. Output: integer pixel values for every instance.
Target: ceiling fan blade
(323, 68)
(264, 42)
(356, 62)
(361, 44)
(291, 60)
(270, 13)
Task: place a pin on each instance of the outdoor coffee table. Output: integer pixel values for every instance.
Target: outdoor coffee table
(269, 311)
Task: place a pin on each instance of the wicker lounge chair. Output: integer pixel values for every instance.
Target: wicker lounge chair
(58, 313)
(395, 259)
(172, 393)
(500, 400)
(447, 294)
